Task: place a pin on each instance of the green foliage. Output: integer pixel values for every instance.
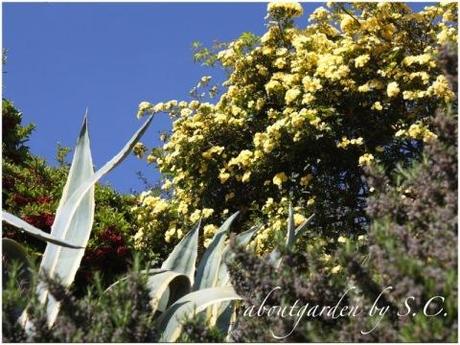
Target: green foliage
(197, 330)
(14, 135)
(208, 56)
(32, 189)
(122, 314)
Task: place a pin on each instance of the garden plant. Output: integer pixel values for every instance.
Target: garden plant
(321, 174)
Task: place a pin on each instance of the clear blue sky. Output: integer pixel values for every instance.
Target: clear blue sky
(109, 57)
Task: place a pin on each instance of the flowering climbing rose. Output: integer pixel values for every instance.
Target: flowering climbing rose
(303, 110)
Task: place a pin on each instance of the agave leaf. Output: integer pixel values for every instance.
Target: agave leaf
(150, 271)
(290, 228)
(63, 263)
(183, 257)
(166, 288)
(241, 240)
(245, 237)
(224, 319)
(33, 231)
(194, 302)
(221, 311)
(208, 269)
(75, 203)
(275, 258)
(302, 227)
(72, 203)
(275, 255)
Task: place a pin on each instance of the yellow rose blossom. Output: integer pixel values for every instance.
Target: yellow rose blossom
(441, 89)
(291, 95)
(392, 89)
(366, 159)
(143, 107)
(139, 150)
(290, 9)
(336, 269)
(347, 23)
(377, 106)
(279, 179)
(195, 216)
(311, 84)
(341, 239)
(246, 177)
(362, 60)
(207, 212)
(298, 219)
(151, 159)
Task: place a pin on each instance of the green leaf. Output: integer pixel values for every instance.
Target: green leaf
(245, 237)
(70, 206)
(302, 227)
(63, 263)
(12, 251)
(290, 228)
(33, 231)
(224, 319)
(241, 240)
(194, 302)
(166, 288)
(224, 311)
(208, 269)
(183, 257)
(291, 236)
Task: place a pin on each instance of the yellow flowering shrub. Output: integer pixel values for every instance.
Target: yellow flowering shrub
(303, 110)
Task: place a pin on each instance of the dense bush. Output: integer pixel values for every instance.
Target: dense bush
(305, 109)
(32, 189)
(411, 246)
(121, 315)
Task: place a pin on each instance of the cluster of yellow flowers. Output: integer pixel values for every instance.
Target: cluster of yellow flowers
(334, 82)
(366, 159)
(345, 142)
(417, 131)
(285, 9)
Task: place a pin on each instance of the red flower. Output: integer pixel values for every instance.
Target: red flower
(48, 219)
(44, 199)
(20, 200)
(33, 220)
(112, 236)
(122, 251)
(43, 221)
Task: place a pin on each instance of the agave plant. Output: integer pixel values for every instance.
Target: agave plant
(179, 289)
(72, 226)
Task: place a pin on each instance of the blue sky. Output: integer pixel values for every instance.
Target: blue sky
(108, 57)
